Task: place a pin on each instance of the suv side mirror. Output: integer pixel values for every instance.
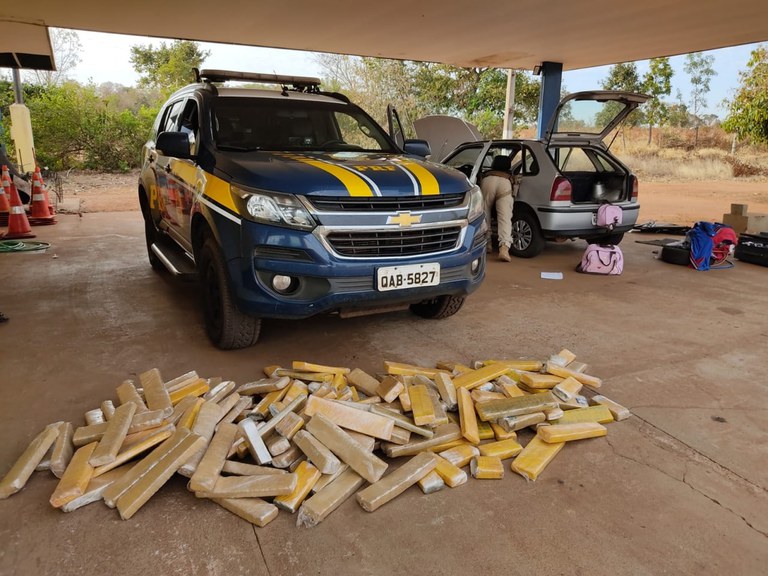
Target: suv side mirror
(175, 144)
(417, 148)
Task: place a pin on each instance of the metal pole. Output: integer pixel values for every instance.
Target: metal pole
(509, 109)
(18, 94)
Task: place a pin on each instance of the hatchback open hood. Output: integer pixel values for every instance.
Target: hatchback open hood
(591, 116)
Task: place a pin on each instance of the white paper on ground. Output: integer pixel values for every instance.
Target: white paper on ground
(552, 275)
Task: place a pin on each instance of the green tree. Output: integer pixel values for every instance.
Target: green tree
(624, 77)
(76, 127)
(699, 69)
(748, 111)
(418, 89)
(657, 82)
(167, 67)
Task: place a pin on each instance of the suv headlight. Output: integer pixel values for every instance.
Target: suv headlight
(476, 204)
(280, 209)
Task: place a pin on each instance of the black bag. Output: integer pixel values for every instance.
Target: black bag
(752, 248)
(677, 253)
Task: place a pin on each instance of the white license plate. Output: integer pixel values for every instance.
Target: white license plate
(411, 276)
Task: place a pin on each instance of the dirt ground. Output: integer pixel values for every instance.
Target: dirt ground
(675, 202)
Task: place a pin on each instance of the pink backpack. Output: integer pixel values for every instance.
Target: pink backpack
(609, 216)
(599, 259)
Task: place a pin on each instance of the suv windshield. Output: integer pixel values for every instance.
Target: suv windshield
(242, 123)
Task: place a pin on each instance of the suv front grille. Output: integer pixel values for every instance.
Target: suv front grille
(373, 244)
(386, 203)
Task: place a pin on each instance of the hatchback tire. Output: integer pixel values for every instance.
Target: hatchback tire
(527, 239)
(438, 308)
(226, 326)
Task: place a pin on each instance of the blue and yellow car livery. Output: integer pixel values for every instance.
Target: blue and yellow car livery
(307, 231)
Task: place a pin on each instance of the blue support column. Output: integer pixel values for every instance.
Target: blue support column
(551, 81)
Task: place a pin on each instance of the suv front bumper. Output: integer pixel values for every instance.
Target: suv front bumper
(327, 283)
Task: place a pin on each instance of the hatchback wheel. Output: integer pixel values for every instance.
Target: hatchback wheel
(527, 239)
(227, 327)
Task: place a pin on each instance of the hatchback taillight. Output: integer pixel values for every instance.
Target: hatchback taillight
(561, 189)
(635, 187)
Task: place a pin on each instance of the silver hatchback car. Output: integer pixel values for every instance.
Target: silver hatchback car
(566, 176)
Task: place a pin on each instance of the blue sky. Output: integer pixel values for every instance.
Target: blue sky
(105, 58)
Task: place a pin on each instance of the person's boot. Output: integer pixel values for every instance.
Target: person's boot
(504, 253)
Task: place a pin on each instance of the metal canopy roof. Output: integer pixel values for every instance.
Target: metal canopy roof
(507, 34)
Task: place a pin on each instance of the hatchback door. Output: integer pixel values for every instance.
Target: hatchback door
(588, 117)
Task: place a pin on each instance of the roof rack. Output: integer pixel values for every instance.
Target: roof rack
(299, 83)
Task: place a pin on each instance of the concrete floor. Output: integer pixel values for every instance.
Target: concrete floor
(680, 488)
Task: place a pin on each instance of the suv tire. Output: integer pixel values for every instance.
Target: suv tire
(227, 327)
(150, 235)
(438, 308)
(527, 239)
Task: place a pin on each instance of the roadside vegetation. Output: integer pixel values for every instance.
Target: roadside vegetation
(102, 127)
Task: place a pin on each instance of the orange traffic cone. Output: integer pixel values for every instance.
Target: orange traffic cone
(39, 175)
(18, 225)
(5, 207)
(40, 212)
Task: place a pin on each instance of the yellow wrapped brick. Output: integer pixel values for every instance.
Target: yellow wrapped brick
(308, 367)
(493, 410)
(451, 474)
(485, 431)
(508, 387)
(431, 483)
(325, 377)
(568, 389)
(295, 389)
(586, 379)
(482, 395)
(398, 368)
(262, 408)
(501, 434)
(460, 455)
(502, 449)
(475, 378)
(195, 388)
(405, 400)
(567, 432)
(486, 468)
(618, 411)
(469, 429)
(448, 445)
(308, 476)
(390, 388)
(529, 365)
(599, 414)
(540, 381)
(189, 416)
(75, 479)
(530, 463)
(421, 405)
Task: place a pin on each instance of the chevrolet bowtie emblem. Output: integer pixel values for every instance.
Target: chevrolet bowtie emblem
(404, 219)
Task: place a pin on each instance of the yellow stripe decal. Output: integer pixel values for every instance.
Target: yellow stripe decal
(355, 185)
(428, 182)
(218, 190)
